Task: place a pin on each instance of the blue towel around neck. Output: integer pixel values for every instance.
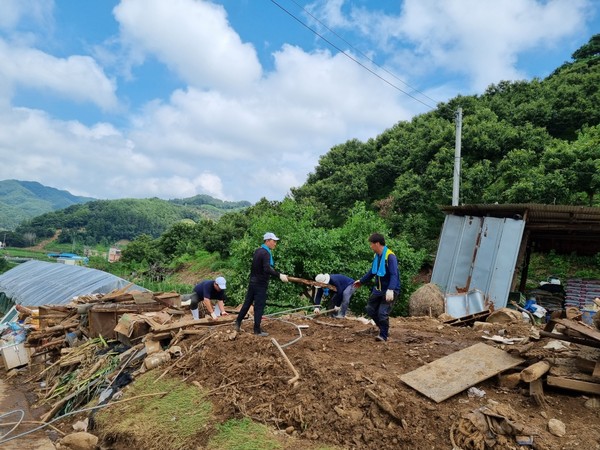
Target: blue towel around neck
(378, 267)
(271, 262)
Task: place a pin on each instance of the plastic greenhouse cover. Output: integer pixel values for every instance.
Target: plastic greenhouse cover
(35, 283)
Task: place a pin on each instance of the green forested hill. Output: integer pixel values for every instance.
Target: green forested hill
(207, 201)
(21, 200)
(532, 141)
(106, 221)
(30, 211)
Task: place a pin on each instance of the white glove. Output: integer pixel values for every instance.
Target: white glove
(336, 308)
(389, 295)
(283, 278)
(213, 315)
(316, 310)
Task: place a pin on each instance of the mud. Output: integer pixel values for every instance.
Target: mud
(349, 393)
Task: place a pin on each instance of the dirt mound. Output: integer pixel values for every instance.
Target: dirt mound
(349, 393)
(428, 300)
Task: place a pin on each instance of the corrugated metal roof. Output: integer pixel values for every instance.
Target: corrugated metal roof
(563, 228)
(37, 283)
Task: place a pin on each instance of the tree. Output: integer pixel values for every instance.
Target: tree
(30, 238)
(586, 167)
(143, 249)
(182, 237)
(589, 50)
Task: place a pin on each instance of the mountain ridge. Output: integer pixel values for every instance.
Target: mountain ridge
(24, 200)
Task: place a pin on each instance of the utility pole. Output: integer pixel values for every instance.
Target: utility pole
(456, 179)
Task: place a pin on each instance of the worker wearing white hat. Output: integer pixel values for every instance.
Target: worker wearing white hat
(260, 273)
(209, 291)
(344, 289)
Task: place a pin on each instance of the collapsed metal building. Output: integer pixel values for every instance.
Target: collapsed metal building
(484, 250)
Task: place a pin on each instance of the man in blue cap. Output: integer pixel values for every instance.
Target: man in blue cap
(260, 273)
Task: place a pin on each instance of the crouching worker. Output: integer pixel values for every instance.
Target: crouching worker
(213, 297)
(341, 299)
(387, 285)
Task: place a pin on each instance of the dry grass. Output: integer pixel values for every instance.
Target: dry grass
(428, 300)
(182, 419)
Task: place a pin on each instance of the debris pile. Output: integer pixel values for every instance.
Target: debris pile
(327, 380)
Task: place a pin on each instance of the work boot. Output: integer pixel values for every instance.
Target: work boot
(237, 326)
(195, 314)
(261, 333)
(380, 338)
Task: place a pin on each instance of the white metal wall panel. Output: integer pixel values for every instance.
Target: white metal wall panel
(455, 252)
(478, 253)
(496, 258)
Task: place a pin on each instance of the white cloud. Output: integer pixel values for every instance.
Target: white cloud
(479, 39)
(310, 102)
(193, 38)
(78, 78)
(12, 12)
(484, 39)
(235, 130)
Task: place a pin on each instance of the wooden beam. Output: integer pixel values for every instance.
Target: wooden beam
(596, 372)
(575, 385)
(586, 330)
(535, 371)
(311, 283)
(576, 340)
(536, 391)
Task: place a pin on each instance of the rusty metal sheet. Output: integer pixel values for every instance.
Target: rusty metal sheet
(454, 373)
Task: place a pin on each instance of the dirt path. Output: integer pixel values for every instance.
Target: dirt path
(12, 399)
(40, 246)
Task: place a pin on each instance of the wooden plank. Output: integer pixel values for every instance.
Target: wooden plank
(596, 372)
(536, 391)
(445, 377)
(575, 385)
(576, 340)
(469, 319)
(331, 287)
(586, 330)
(193, 322)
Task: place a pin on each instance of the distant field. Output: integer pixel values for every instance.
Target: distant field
(12, 252)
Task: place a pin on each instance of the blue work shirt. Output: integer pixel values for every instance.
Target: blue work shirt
(391, 279)
(340, 282)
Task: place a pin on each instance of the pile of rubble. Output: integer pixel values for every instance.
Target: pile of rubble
(343, 388)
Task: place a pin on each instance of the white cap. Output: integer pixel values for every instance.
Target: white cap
(322, 278)
(221, 282)
(270, 235)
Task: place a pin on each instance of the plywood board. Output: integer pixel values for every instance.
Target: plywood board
(454, 373)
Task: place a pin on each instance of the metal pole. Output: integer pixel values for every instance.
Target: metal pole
(456, 178)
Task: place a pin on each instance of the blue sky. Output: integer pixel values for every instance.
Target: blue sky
(237, 98)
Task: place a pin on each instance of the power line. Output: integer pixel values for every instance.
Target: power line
(350, 56)
(361, 53)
